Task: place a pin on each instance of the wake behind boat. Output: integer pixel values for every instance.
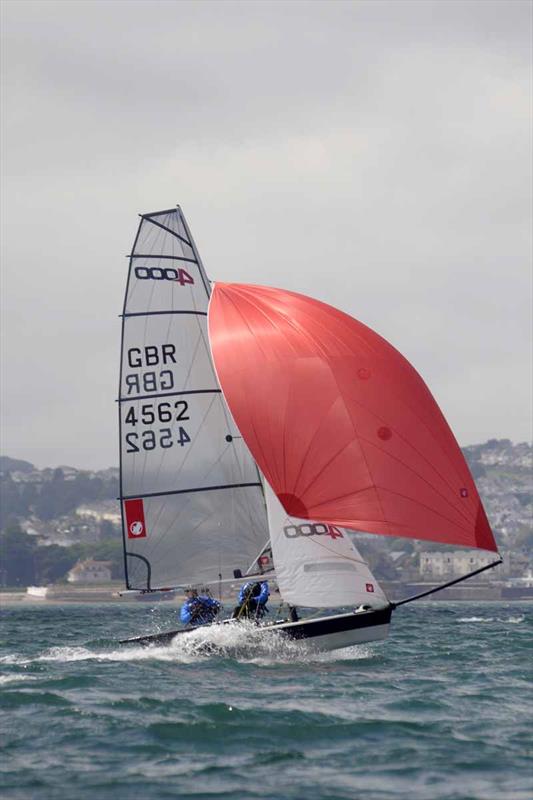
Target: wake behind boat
(254, 418)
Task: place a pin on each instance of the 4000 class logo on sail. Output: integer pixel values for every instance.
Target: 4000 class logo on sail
(312, 529)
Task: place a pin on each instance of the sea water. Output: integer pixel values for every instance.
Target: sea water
(440, 711)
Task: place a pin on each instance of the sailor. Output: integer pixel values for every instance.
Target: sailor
(198, 609)
(252, 601)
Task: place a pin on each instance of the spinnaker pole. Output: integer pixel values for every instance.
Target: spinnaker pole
(446, 585)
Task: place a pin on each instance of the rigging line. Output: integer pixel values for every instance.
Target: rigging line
(142, 495)
(203, 274)
(146, 240)
(168, 230)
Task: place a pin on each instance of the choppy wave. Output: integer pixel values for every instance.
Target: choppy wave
(244, 642)
(212, 713)
(510, 620)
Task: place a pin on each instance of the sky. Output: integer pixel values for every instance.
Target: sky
(374, 155)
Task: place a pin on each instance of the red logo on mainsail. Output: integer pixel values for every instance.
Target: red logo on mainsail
(370, 587)
(334, 532)
(135, 519)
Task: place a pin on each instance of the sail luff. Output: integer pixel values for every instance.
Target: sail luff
(121, 371)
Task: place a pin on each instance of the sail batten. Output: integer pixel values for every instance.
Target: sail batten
(191, 490)
(341, 425)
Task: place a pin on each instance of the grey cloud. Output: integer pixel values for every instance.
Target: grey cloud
(375, 155)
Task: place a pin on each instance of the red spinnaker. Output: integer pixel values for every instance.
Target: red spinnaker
(341, 425)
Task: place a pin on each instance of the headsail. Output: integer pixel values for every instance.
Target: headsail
(343, 428)
(317, 565)
(193, 506)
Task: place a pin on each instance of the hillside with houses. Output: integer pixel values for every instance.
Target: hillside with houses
(59, 524)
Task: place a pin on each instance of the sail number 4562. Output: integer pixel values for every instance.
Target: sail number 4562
(164, 412)
(149, 440)
(160, 412)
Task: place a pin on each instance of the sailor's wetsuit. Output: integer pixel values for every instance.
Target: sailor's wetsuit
(252, 601)
(199, 610)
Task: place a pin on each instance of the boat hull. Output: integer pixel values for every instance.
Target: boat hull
(340, 630)
(325, 633)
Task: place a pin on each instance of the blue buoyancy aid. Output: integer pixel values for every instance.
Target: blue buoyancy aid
(260, 597)
(199, 610)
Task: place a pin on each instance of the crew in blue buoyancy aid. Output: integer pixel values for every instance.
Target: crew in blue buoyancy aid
(252, 601)
(198, 609)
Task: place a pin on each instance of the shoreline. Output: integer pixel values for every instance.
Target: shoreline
(56, 595)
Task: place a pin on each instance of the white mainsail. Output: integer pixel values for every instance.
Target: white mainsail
(192, 503)
(317, 565)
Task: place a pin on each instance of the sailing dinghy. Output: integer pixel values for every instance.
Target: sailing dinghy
(253, 417)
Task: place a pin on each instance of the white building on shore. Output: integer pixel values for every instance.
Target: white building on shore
(90, 571)
(453, 564)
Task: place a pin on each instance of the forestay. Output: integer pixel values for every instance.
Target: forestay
(193, 507)
(317, 565)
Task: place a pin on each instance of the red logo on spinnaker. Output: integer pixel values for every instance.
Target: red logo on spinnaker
(135, 519)
(370, 587)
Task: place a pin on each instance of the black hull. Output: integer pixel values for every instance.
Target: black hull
(327, 633)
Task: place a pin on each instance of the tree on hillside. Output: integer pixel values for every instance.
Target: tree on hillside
(16, 557)
(53, 562)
